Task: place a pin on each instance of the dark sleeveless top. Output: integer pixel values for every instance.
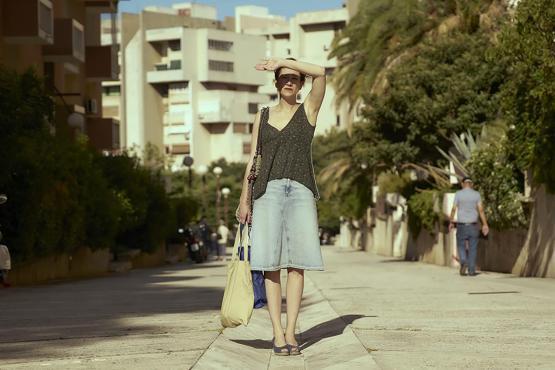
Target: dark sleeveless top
(286, 153)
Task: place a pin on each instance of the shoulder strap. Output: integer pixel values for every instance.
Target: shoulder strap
(263, 117)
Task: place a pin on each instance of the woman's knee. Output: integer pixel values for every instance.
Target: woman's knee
(274, 276)
(295, 271)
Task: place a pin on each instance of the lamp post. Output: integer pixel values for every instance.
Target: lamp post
(225, 193)
(188, 162)
(217, 171)
(203, 170)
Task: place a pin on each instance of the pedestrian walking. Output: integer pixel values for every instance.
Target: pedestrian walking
(284, 232)
(468, 207)
(223, 237)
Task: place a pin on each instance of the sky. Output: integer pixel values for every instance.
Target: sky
(286, 8)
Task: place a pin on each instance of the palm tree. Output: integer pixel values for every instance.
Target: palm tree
(348, 179)
(380, 31)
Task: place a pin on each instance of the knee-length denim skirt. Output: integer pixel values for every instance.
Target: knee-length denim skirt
(285, 228)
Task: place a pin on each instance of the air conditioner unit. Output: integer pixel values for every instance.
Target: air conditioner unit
(91, 106)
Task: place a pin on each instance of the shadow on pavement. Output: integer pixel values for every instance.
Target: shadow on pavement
(328, 329)
(39, 321)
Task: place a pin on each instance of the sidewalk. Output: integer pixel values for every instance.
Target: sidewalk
(363, 312)
(327, 341)
(369, 312)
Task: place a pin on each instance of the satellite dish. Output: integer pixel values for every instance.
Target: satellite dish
(3, 198)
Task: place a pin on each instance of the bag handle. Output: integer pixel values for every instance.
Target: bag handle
(240, 244)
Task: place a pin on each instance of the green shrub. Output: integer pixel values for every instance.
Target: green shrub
(64, 195)
(421, 212)
(495, 177)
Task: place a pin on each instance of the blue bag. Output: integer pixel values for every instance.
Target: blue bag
(259, 288)
(258, 285)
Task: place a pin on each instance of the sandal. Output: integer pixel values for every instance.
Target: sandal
(294, 349)
(279, 351)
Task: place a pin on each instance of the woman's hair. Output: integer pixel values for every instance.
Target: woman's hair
(276, 72)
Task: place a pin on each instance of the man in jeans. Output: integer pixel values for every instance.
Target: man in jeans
(468, 203)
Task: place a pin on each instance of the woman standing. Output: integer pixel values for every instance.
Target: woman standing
(284, 231)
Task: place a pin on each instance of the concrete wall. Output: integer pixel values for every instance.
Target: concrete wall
(85, 263)
(82, 263)
(537, 257)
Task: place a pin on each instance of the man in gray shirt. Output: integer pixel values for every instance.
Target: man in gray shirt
(469, 205)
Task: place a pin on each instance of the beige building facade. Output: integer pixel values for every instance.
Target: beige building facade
(188, 85)
(60, 40)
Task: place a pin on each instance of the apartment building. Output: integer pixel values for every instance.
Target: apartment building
(60, 39)
(307, 36)
(188, 85)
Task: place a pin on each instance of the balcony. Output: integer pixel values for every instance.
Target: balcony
(102, 6)
(28, 22)
(102, 63)
(69, 43)
(167, 72)
(103, 133)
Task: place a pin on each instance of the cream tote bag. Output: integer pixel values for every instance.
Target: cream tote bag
(238, 301)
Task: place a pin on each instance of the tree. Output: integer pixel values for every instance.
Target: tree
(528, 47)
(448, 87)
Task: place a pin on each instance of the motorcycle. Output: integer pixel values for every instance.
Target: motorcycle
(195, 246)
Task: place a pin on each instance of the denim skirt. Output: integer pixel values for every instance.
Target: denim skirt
(285, 228)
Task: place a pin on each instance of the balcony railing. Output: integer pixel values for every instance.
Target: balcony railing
(167, 72)
(28, 22)
(69, 42)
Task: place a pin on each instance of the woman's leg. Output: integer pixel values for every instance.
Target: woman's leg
(295, 285)
(273, 294)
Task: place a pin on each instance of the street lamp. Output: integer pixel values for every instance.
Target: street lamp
(225, 193)
(188, 162)
(217, 171)
(203, 170)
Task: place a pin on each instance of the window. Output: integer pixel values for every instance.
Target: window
(253, 108)
(337, 121)
(112, 90)
(174, 45)
(175, 64)
(288, 51)
(219, 45)
(218, 65)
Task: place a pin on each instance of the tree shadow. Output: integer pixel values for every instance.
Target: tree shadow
(328, 329)
(39, 322)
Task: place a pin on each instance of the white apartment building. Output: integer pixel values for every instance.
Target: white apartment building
(187, 86)
(187, 81)
(307, 36)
